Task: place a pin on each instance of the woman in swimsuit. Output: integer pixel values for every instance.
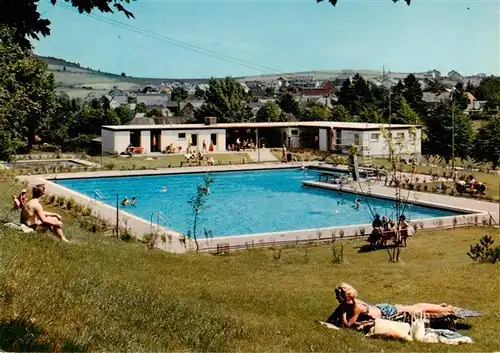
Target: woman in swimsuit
(353, 312)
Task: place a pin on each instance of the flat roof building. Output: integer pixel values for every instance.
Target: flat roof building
(321, 135)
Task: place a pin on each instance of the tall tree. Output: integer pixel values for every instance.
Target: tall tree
(487, 144)
(413, 94)
(314, 112)
(361, 89)
(405, 114)
(225, 100)
(346, 96)
(199, 93)
(23, 15)
(439, 131)
(27, 91)
(489, 90)
(288, 104)
(64, 115)
(270, 112)
(179, 94)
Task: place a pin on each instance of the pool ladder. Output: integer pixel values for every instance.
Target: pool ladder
(160, 216)
(99, 195)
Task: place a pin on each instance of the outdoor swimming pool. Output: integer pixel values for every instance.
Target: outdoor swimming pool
(244, 202)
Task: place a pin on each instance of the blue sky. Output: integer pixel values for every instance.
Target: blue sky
(280, 36)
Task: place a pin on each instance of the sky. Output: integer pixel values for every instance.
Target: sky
(208, 38)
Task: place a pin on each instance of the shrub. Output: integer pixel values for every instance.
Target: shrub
(337, 253)
(484, 251)
(70, 204)
(61, 200)
(51, 199)
(109, 166)
(125, 234)
(150, 240)
(86, 211)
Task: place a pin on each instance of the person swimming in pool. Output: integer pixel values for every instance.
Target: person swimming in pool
(163, 189)
(353, 312)
(357, 204)
(132, 203)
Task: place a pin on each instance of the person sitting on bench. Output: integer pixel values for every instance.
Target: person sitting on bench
(33, 215)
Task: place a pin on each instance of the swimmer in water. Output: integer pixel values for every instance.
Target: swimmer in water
(302, 168)
(163, 189)
(132, 203)
(357, 203)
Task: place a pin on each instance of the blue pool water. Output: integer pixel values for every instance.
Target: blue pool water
(244, 202)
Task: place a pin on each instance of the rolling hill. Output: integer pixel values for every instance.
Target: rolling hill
(72, 76)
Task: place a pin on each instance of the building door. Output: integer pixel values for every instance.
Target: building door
(194, 140)
(213, 140)
(135, 138)
(285, 140)
(155, 140)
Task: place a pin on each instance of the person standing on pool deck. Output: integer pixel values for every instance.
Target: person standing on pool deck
(283, 154)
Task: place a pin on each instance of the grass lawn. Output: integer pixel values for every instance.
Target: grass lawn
(164, 161)
(103, 294)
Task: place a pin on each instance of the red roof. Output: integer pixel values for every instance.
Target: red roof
(326, 89)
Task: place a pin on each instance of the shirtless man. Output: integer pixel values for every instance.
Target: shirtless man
(39, 220)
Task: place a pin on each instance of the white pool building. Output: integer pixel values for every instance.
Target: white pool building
(322, 135)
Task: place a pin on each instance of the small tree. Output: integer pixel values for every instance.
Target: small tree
(179, 94)
(155, 112)
(314, 112)
(270, 112)
(197, 202)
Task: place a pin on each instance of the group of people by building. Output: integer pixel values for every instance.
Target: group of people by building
(241, 145)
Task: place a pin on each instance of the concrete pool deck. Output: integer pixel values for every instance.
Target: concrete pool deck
(169, 240)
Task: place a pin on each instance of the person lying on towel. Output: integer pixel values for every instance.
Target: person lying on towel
(353, 312)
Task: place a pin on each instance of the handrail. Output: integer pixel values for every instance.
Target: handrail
(160, 216)
(99, 194)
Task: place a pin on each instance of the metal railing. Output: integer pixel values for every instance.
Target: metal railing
(160, 217)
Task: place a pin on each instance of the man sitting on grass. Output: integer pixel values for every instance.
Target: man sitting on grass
(33, 215)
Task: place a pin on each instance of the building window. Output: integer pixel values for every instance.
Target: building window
(356, 139)
(213, 139)
(295, 132)
(374, 137)
(181, 135)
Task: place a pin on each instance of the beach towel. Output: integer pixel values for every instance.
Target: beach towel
(445, 337)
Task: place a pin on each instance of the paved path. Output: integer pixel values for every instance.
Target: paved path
(264, 155)
(438, 199)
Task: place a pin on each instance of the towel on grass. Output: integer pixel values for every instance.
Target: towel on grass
(444, 336)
